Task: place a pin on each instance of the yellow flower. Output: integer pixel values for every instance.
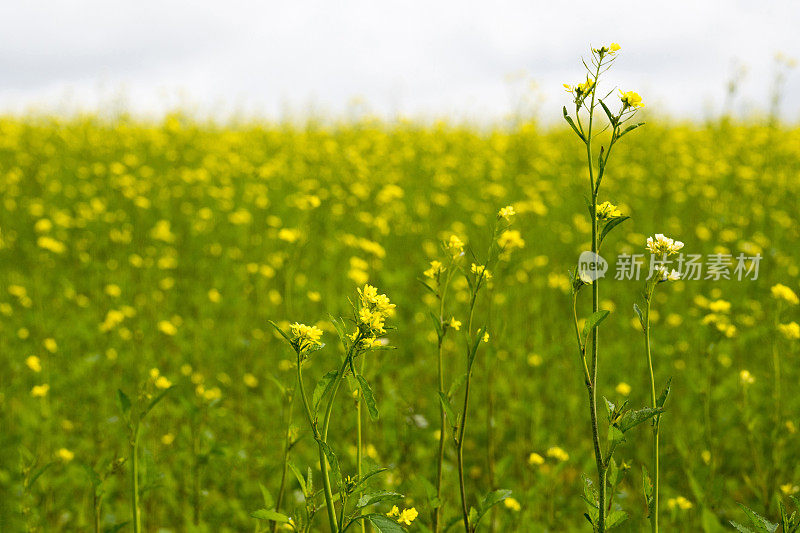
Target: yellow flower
(407, 516)
(782, 292)
(534, 459)
(680, 503)
(613, 48)
(791, 330)
(607, 211)
(65, 455)
(455, 324)
(163, 383)
(454, 246)
(510, 240)
(481, 271)
(746, 378)
(506, 212)
(167, 439)
(719, 306)
(486, 336)
(789, 489)
(557, 453)
(623, 388)
(581, 90)
(40, 391)
(250, 380)
(305, 337)
(167, 328)
(50, 244)
(213, 393)
(394, 511)
(33, 363)
(214, 296)
(50, 345)
(631, 99)
(113, 290)
(513, 504)
(433, 272)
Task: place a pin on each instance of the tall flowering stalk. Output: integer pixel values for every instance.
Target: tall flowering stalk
(370, 312)
(437, 280)
(660, 247)
(477, 278)
(620, 420)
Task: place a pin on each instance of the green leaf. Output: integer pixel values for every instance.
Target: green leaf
(124, 403)
(572, 125)
(490, 500)
(594, 320)
(473, 351)
(630, 128)
(448, 409)
(385, 524)
(662, 398)
(332, 460)
(299, 477)
(457, 384)
(268, 514)
(613, 473)
(279, 330)
(590, 495)
(160, 396)
(37, 473)
(742, 529)
(761, 524)
(610, 408)
(365, 479)
(266, 496)
(639, 314)
(369, 398)
(611, 117)
(611, 224)
(647, 488)
(633, 418)
(323, 386)
(372, 498)
(615, 519)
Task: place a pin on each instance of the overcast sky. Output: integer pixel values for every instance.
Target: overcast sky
(468, 60)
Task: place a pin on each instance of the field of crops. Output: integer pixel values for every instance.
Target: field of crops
(149, 257)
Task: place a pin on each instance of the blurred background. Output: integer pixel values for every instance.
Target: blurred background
(174, 175)
(464, 60)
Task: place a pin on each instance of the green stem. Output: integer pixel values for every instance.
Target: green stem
(135, 511)
(286, 446)
(323, 465)
(359, 447)
(442, 427)
(460, 457)
(601, 470)
(656, 421)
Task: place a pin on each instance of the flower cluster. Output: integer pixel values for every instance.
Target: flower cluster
(305, 337)
(454, 246)
(661, 245)
(782, 292)
(436, 269)
(581, 90)
(481, 272)
(630, 99)
(373, 310)
(607, 211)
(406, 516)
(506, 212)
